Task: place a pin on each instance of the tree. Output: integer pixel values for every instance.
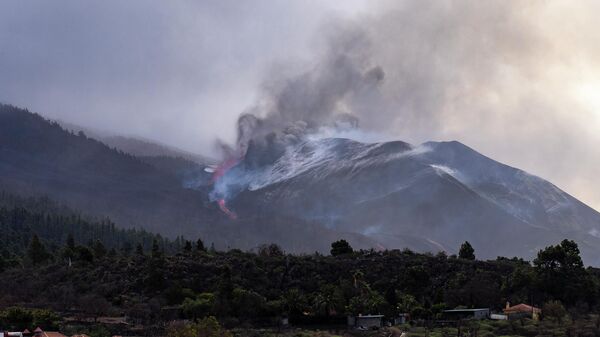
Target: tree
(36, 252)
(466, 251)
(341, 247)
(270, 250)
(199, 307)
(224, 295)
(2, 264)
(200, 246)
(84, 254)
(554, 310)
(206, 327)
(187, 247)
(294, 302)
(99, 249)
(329, 300)
(16, 318)
(247, 304)
(368, 302)
(156, 253)
(155, 271)
(139, 249)
(181, 329)
(210, 327)
(126, 248)
(560, 272)
(68, 252)
(47, 319)
(70, 242)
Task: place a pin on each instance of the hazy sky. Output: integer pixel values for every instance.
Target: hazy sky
(518, 81)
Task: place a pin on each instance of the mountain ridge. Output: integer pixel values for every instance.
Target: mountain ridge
(345, 184)
(384, 195)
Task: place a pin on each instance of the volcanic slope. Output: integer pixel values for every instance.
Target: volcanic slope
(429, 197)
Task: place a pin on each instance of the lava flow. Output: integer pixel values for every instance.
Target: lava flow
(220, 172)
(226, 210)
(223, 168)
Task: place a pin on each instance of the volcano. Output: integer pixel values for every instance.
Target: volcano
(429, 197)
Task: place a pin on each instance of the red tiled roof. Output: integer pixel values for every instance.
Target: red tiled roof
(521, 308)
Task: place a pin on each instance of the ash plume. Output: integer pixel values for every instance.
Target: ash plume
(480, 73)
(292, 108)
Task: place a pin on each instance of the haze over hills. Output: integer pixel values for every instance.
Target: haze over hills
(137, 146)
(429, 197)
(39, 157)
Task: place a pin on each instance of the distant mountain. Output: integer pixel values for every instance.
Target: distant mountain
(137, 146)
(429, 197)
(144, 148)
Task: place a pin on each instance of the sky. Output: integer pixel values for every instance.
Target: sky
(517, 81)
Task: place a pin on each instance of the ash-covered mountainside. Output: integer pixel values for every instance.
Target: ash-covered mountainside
(429, 197)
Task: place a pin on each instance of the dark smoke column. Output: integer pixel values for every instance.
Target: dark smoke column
(332, 94)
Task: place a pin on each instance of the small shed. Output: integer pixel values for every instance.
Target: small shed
(368, 321)
(458, 314)
(498, 317)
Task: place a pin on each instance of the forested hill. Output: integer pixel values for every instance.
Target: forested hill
(23, 218)
(38, 157)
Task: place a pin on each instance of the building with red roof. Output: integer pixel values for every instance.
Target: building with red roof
(522, 310)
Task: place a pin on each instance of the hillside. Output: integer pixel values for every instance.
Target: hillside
(38, 157)
(427, 197)
(22, 218)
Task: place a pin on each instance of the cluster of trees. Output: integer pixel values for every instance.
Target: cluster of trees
(33, 230)
(53, 258)
(18, 318)
(206, 327)
(258, 287)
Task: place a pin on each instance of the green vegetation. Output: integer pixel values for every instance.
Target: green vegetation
(466, 251)
(341, 247)
(83, 269)
(17, 318)
(33, 231)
